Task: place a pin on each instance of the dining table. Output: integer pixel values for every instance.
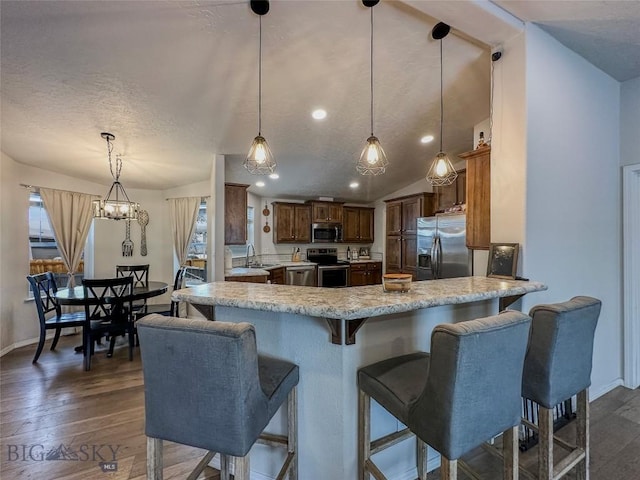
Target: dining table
(75, 296)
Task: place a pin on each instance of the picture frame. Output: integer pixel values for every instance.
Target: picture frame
(503, 260)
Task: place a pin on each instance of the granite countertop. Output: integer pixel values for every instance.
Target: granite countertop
(246, 272)
(365, 260)
(263, 269)
(353, 302)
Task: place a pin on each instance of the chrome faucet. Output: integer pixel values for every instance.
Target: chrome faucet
(253, 255)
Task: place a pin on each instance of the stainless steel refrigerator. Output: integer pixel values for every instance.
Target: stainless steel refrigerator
(442, 247)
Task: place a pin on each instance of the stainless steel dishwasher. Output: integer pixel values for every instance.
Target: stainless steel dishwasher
(301, 275)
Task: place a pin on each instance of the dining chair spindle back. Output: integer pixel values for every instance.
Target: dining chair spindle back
(108, 312)
(44, 288)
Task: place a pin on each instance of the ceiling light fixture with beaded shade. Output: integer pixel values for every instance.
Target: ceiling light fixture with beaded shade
(441, 172)
(260, 160)
(373, 160)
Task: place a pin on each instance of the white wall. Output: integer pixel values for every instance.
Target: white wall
(573, 227)
(630, 122)
(18, 321)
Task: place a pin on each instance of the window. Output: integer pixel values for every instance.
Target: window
(198, 245)
(43, 249)
(197, 255)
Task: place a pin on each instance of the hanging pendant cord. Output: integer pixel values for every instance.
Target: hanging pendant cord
(441, 96)
(260, 79)
(371, 69)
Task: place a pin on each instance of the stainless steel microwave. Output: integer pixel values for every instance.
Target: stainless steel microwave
(326, 232)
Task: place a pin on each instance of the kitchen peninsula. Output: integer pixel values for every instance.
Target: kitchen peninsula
(295, 322)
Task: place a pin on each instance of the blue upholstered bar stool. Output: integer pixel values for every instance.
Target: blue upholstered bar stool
(207, 387)
(557, 367)
(466, 391)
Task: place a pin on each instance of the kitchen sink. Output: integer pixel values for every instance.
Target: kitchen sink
(263, 265)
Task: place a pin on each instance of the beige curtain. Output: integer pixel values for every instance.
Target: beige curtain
(70, 214)
(183, 213)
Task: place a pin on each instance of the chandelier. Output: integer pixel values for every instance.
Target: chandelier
(116, 205)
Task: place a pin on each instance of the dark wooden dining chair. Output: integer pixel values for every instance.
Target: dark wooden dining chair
(108, 312)
(167, 309)
(140, 275)
(44, 288)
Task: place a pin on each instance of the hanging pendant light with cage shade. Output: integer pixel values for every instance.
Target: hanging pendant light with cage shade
(260, 160)
(373, 160)
(441, 172)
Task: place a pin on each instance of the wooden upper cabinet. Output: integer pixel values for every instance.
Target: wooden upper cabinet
(235, 214)
(394, 217)
(292, 223)
(454, 194)
(357, 225)
(325, 212)
(402, 212)
(478, 197)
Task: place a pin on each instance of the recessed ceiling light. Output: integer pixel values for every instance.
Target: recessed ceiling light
(319, 114)
(354, 185)
(260, 184)
(427, 139)
(274, 176)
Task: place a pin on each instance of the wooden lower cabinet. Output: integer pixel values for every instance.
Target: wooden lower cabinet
(250, 279)
(277, 276)
(367, 273)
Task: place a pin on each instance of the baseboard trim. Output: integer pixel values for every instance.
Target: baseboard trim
(595, 394)
(30, 341)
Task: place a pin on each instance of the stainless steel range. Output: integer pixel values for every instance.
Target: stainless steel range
(332, 272)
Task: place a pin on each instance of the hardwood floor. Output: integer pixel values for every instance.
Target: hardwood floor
(56, 402)
(94, 414)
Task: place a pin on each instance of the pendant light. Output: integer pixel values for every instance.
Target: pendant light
(441, 172)
(116, 205)
(260, 160)
(373, 160)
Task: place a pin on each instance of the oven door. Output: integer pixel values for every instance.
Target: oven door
(333, 276)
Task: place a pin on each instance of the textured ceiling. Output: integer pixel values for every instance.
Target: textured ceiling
(177, 81)
(606, 33)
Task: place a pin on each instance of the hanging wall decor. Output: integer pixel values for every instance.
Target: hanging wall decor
(143, 221)
(127, 244)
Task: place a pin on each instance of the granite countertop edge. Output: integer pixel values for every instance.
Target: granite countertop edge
(349, 303)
